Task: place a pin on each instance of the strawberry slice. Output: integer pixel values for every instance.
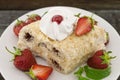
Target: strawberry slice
(84, 25)
(39, 72)
(100, 60)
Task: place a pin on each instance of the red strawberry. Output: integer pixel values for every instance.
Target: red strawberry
(32, 18)
(23, 60)
(107, 37)
(100, 60)
(57, 18)
(84, 25)
(18, 26)
(40, 72)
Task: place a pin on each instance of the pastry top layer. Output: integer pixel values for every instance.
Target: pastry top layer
(71, 45)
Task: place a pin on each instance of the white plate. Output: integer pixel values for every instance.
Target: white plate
(9, 39)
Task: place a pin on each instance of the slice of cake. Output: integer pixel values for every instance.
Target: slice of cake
(63, 51)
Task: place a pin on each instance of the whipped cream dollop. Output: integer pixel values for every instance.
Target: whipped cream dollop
(54, 30)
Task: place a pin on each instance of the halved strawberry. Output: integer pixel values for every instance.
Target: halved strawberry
(40, 72)
(84, 25)
(18, 26)
(100, 60)
(23, 60)
(32, 18)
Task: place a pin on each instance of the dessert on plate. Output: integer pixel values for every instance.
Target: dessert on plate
(61, 40)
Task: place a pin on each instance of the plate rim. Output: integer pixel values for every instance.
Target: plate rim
(117, 34)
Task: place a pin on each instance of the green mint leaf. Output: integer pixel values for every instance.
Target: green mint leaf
(97, 74)
(83, 78)
(79, 74)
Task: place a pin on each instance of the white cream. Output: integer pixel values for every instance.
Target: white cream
(57, 31)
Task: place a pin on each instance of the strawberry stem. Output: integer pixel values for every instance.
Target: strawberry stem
(77, 15)
(16, 53)
(44, 13)
(9, 51)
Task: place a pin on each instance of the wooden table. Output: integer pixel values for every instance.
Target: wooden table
(12, 9)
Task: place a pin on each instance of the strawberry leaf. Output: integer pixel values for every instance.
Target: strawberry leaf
(106, 57)
(16, 53)
(31, 74)
(32, 16)
(107, 36)
(77, 15)
(92, 21)
(19, 22)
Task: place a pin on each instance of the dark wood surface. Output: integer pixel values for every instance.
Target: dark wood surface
(12, 9)
(33, 4)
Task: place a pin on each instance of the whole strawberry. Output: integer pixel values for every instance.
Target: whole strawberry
(32, 18)
(100, 60)
(23, 60)
(18, 26)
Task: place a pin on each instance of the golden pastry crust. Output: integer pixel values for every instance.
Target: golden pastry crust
(63, 55)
